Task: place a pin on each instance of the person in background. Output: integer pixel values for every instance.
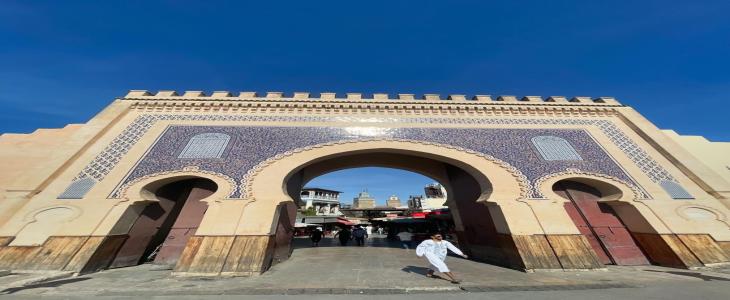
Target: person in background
(344, 235)
(360, 235)
(316, 236)
(406, 238)
(435, 250)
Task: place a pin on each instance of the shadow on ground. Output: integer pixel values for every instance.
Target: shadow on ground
(55, 283)
(704, 277)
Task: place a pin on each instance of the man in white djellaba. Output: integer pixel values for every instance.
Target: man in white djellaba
(434, 250)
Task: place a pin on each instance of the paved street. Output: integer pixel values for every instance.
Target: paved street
(385, 269)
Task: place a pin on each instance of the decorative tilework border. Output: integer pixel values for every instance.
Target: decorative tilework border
(526, 189)
(245, 152)
(113, 153)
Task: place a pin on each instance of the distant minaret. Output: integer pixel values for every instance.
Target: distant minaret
(363, 200)
(393, 201)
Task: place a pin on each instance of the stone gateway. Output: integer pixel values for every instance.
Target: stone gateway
(209, 183)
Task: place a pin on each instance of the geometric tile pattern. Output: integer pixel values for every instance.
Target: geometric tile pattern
(102, 164)
(555, 148)
(205, 145)
(78, 189)
(675, 190)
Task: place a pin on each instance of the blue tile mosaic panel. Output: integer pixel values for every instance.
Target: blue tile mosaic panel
(555, 148)
(205, 145)
(675, 190)
(251, 145)
(78, 189)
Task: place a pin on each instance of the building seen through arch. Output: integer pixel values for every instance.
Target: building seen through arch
(210, 184)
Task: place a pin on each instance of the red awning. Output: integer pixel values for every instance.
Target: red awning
(344, 222)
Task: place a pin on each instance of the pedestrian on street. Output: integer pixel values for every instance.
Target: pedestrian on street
(435, 250)
(360, 234)
(406, 238)
(316, 236)
(344, 235)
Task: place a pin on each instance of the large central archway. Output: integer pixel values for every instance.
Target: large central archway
(479, 188)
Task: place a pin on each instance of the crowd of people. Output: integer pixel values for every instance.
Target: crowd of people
(345, 235)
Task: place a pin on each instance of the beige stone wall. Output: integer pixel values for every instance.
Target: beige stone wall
(31, 162)
(47, 173)
(715, 155)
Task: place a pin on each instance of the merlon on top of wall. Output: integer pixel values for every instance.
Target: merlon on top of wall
(354, 97)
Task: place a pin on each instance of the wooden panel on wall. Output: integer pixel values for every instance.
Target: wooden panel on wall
(96, 254)
(212, 254)
(249, 255)
(56, 252)
(191, 249)
(725, 245)
(683, 253)
(509, 249)
(5, 240)
(704, 248)
(17, 258)
(535, 252)
(574, 251)
(70, 253)
(658, 250)
(82, 256)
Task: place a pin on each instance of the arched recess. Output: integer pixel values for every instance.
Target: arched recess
(482, 190)
(621, 196)
(139, 189)
(165, 210)
(43, 223)
(597, 221)
(647, 231)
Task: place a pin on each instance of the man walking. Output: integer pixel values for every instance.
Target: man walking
(316, 236)
(344, 235)
(406, 238)
(360, 235)
(435, 250)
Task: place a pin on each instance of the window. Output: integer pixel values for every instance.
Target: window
(675, 190)
(555, 148)
(78, 188)
(206, 145)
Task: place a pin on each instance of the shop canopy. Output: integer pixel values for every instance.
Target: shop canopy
(407, 220)
(321, 220)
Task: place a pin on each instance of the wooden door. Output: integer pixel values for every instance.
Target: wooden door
(597, 221)
(186, 224)
(144, 233)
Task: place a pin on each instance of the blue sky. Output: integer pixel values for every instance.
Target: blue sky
(379, 182)
(63, 61)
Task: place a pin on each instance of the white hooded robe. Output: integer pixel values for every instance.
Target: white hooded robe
(435, 253)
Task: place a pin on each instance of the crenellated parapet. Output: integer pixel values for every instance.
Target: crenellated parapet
(460, 99)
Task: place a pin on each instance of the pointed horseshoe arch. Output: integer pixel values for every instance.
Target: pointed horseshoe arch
(137, 190)
(498, 180)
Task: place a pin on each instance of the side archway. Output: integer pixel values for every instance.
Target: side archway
(164, 212)
(600, 206)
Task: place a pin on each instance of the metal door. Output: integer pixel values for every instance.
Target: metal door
(597, 221)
